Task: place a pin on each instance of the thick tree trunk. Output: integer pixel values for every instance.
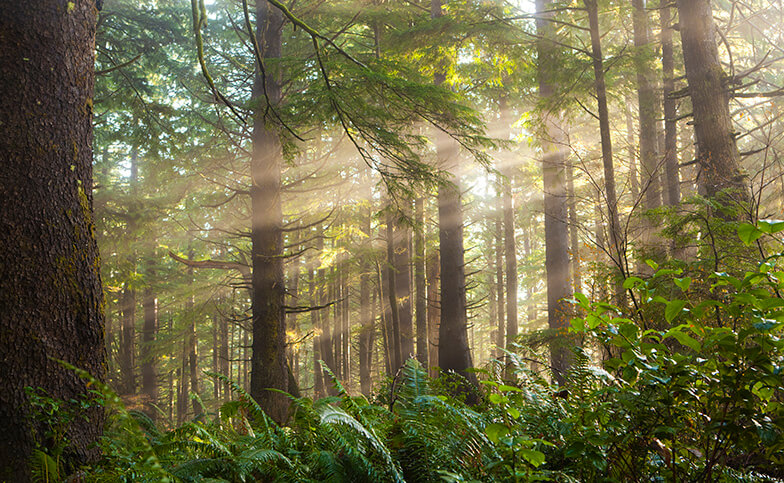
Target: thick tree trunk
(318, 374)
(556, 230)
(419, 282)
(268, 360)
(454, 353)
(574, 236)
(672, 186)
(717, 152)
(646, 94)
(50, 286)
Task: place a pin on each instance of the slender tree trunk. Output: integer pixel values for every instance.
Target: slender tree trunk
(50, 288)
(268, 364)
(500, 340)
(574, 236)
(717, 153)
(318, 375)
(366, 323)
(215, 355)
(148, 353)
(555, 202)
(127, 343)
(616, 238)
(395, 346)
(403, 288)
(419, 282)
(433, 309)
(510, 255)
(193, 350)
(224, 366)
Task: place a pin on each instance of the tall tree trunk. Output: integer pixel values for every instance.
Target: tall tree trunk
(717, 153)
(433, 309)
(574, 236)
(394, 309)
(419, 281)
(127, 342)
(148, 353)
(193, 349)
(403, 288)
(646, 94)
(556, 230)
(670, 146)
(454, 353)
(366, 323)
(318, 374)
(510, 255)
(616, 249)
(500, 340)
(50, 288)
(268, 360)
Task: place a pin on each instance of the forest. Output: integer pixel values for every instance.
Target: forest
(405, 241)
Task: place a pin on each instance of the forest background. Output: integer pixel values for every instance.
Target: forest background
(529, 192)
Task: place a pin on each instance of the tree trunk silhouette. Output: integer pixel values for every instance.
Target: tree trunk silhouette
(419, 282)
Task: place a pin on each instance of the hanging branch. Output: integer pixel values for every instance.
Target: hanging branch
(199, 19)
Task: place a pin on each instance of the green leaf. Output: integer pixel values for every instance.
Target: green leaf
(673, 309)
(683, 283)
(495, 398)
(771, 226)
(535, 458)
(683, 338)
(632, 282)
(749, 233)
(582, 300)
(496, 431)
(578, 324)
(652, 264)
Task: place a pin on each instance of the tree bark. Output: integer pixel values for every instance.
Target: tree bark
(366, 323)
(419, 282)
(646, 94)
(510, 256)
(394, 310)
(148, 354)
(454, 353)
(403, 288)
(268, 358)
(672, 186)
(433, 309)
(556, 230)
(717, 153)
(50, 285)
(616, 249)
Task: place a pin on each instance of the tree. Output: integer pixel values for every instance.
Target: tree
(268, 359)
(50, 288)
(717, 152)
(556, 230)
(453, 351)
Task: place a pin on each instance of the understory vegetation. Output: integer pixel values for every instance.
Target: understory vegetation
(687, 389)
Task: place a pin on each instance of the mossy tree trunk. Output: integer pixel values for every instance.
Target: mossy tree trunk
(50, 284)
(268, 357)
